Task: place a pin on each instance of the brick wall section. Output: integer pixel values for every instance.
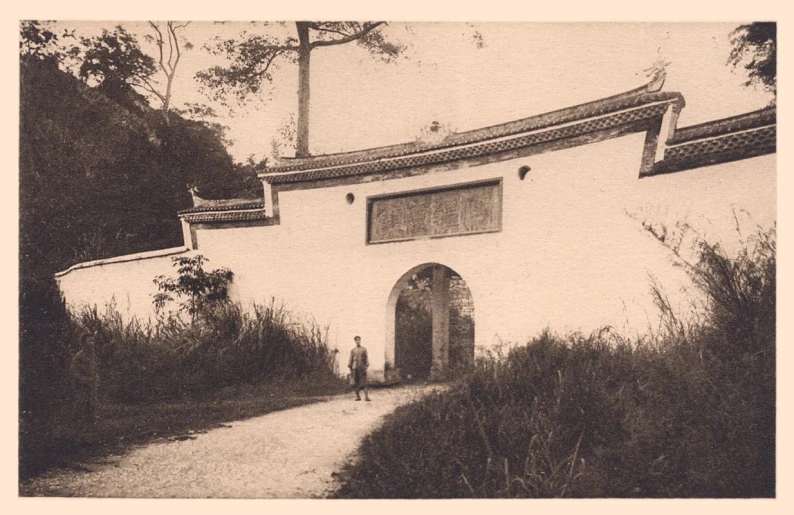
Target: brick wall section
(460, 300)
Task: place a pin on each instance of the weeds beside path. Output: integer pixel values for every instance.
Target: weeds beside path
(286, 454)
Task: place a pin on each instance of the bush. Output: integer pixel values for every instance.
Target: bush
(690, 413)
(46, 333)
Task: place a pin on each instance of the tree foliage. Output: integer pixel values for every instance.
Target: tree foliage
(98, 177)
(201, 288)
(39, 42)
(256, 57)
(755, 47)
(116, 62)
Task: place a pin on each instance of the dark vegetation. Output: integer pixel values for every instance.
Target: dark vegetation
(413, 336)
(413, 332)
(754, 47)
(690, 413)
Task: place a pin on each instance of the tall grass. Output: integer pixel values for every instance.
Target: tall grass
(688, 413)
(227, 350)
(228, 346)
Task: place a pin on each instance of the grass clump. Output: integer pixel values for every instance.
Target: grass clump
(227, 346)
(689, 413)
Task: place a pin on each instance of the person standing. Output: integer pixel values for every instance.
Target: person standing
(358, 364)
(85, 380)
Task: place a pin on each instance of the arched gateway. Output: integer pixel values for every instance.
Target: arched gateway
(429, 323)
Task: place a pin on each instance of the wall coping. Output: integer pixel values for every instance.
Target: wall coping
(126, 258)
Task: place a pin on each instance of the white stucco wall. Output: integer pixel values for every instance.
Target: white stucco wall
(724, 203)
(568, 256)
(125, 282)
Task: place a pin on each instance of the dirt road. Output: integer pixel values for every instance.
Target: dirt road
(286, 454)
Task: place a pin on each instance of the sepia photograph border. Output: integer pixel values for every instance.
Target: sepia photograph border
(672, 11)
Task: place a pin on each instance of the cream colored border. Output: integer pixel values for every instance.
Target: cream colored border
(412, 10)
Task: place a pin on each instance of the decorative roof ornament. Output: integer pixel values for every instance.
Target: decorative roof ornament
(202, 204)
(197, 201)
(434, 133)
(657, 73)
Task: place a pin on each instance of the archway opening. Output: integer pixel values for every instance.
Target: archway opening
(432, 321)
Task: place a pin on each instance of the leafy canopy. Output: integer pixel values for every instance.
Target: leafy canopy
(115, 59)
(255, 56)
(202, 289)
(755, 46)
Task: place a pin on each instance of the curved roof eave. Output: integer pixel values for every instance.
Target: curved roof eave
(627, 100)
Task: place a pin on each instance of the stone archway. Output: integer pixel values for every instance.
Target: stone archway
(429, 323)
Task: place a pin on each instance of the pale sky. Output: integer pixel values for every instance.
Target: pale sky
(524, 69)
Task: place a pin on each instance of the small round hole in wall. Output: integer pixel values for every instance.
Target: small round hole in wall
(523, 171)
(350, 198)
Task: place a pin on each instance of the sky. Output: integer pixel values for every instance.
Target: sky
(522, 70)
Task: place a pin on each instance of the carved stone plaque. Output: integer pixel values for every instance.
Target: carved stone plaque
(466, 209)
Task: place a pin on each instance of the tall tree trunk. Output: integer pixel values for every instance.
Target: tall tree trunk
(304, 56)
(167, 100)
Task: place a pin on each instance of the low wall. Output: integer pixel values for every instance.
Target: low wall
(126, 282)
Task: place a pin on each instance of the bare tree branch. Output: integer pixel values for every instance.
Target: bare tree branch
(366, 29)
(169, 65)
(320, 28)
(148, 86)
(159, 41)
(176, 42)
(170, 48)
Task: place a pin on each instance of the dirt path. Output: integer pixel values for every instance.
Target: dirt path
(286, 454)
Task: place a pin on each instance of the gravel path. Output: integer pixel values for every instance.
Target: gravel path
(285, 454)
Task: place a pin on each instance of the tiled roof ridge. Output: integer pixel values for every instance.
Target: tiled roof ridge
(225, 216)
(233, 205)
(478, 149)
(723, 126)
(618, 102)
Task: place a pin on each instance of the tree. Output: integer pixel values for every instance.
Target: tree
(115, 60)
(755, 46)
(254, 57)
(202, 288)
(37, 42)
(167, 64)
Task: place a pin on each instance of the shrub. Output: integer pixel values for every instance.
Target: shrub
(46, 340)
(203, 289)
